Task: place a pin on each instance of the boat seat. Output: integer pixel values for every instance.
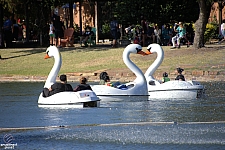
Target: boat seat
(68, 39)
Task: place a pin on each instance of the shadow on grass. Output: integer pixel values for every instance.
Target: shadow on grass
(31, 51)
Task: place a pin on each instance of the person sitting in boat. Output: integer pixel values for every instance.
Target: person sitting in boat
(115, 84)
(165, 77)
(102, 77)
(107, 81)
(58, 87)
(83, 85)
(180, 76)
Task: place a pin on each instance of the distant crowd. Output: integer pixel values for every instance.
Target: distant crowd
(13, 30)
(165, 35)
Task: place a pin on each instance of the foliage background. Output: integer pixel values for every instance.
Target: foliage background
(128, 12)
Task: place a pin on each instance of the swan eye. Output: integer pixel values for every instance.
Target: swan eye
(149, 48)
(138, 50)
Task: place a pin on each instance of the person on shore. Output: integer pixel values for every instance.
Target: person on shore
(165, 77)
(144, 30)
(222, 30)
(15, 30)
(180, 77)
(7, 30)
(51, 33)
(58, 87)
(137, 35)
(181, 33)
(167, 35)
(157, 33)
(83, 85)
(114, 27)
(59, 29)
(86, 35)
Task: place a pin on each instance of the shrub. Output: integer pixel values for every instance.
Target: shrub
(211, 31)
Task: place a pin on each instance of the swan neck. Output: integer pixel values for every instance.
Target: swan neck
(158, 61)
(133, 67)
(54, 71)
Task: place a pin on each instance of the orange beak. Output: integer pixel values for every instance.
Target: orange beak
(46, 56)
(142, 53)
(148, 52)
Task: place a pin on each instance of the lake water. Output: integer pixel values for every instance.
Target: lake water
(165, 124)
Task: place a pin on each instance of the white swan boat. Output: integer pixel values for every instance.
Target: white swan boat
(86, 98)
(171, 89)
(136, 90)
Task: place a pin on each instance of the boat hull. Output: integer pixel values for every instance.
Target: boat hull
(107, 93)
(176, 94)
(128, 98)
(176, 90)
(84, 98)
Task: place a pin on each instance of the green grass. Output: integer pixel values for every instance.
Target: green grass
(31, 62)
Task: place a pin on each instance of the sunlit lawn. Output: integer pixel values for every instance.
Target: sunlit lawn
(30, 61)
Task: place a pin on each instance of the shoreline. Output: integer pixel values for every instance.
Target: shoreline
(201, 76)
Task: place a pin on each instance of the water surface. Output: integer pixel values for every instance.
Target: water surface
(183, 124)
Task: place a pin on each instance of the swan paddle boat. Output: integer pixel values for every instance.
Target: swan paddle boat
(172, 89)
(80, 99)
(136, 90)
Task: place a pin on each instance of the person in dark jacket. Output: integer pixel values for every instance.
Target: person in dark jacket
(58, 87)
(7, 31)
(180, 76)
(114, 28)
(83, 85)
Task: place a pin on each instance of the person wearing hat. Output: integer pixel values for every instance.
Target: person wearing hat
(165, 77)
(58, 87)
(180, 76)
(83, 85)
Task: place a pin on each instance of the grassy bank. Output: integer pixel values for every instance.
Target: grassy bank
(31, 62)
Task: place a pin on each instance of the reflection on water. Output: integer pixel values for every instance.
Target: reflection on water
(18, 103)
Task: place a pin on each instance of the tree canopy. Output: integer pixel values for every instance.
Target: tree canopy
(157, 11)
(127, 11)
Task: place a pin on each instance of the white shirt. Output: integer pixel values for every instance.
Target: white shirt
(157, 32)
(51, 29)
(222, 26)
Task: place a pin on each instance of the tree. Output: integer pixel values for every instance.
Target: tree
(129, 12)
(200, 24)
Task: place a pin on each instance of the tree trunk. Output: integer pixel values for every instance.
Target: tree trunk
(96, 21)
(200, 25)
(71, 13)
(1, 26)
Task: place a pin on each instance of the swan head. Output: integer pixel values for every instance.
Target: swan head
(51, 52)
(153, 48)
(136, 49)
